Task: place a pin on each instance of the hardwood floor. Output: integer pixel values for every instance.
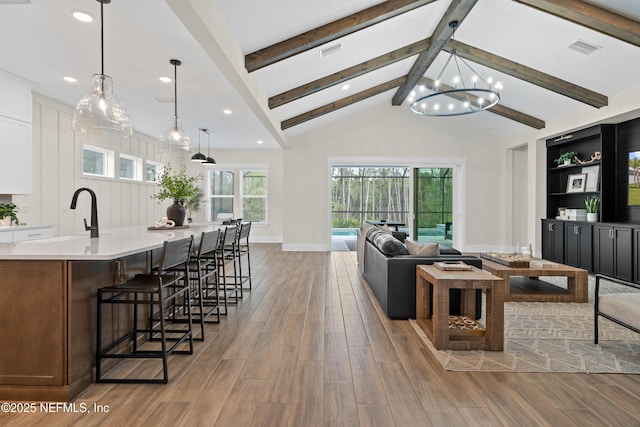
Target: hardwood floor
(309, 346)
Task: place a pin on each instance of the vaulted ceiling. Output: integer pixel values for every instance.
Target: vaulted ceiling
(283, 66)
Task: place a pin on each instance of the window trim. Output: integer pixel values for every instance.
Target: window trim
(159, 169)
(137, 169)
(238, 196)
(108, 162)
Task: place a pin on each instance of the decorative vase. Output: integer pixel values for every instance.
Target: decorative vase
(177, 213)
(567, 162)
(592, 216)
(5, 222)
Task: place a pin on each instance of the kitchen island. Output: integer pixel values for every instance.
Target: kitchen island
(48, 293)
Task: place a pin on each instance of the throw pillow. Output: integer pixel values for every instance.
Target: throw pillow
(384, 228)
(416, 248)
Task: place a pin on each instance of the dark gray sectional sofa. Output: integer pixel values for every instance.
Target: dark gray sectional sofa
(391, 272)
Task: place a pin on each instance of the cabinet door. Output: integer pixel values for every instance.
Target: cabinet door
(585, 247)
(553, 241)
(603, 247)
(571, 245)
(623, 240)
(15, 161)
(578, 246)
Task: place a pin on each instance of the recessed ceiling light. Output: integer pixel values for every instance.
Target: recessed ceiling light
(69, 79)
(227, 111)
(345, 87)
(81, 15)
(260, 141)
(165, 79)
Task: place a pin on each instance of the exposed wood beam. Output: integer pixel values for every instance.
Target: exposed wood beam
(349, 73)
(328, 32)
(591, 16)
(498, 109)
(457, 11)
(360, 96)
(527, 74)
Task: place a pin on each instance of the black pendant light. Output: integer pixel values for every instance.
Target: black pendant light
(199, 157)
(210, 160)
(99, 109)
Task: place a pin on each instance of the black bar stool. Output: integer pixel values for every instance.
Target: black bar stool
(161, 290)
(227, 260)
(242, 251)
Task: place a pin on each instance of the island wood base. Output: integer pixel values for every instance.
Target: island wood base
(48, 323)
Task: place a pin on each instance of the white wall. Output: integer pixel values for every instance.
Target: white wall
(391, 135)
(272, 160)
(57, 173)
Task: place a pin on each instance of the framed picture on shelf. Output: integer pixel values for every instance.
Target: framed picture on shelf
(576, 183)
(593, 177)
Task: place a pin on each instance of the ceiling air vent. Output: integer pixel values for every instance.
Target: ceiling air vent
(584, 47)
(330, 50)
(162, 99)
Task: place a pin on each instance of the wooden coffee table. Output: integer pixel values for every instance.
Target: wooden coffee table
(540, 291)
(459, 332)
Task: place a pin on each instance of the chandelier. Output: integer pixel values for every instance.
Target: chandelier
(469, 93)
(99, 109)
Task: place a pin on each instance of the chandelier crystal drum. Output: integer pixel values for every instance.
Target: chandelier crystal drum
(467, 92)
(99, 109)
(175, 138)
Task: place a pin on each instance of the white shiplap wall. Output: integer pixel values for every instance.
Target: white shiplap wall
(57, 173)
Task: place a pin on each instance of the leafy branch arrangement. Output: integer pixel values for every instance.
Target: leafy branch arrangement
(176, 185)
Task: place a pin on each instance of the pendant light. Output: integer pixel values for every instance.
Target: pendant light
(199, 157)
(99, 109)
(175, 138)
(210, 160)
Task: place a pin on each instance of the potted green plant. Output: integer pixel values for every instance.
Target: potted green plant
(593, 207)
(566, 158)
(8, 214)
(176, 185)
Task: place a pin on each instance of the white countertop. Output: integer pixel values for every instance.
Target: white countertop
(112, 243)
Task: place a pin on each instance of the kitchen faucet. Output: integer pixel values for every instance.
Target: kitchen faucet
(94, 210)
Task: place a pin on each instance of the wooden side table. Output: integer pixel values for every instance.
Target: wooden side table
(459, 332)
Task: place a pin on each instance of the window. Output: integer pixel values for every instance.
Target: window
(254, 196)
(359, 193)
(97, 161)
(239, 193)
(130, 167)
(154, 170)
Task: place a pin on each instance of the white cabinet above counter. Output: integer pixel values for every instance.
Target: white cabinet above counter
(15, 137)
(24, 233)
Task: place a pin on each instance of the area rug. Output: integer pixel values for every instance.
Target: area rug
(549, 337)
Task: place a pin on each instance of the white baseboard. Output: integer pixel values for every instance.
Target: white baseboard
(265, 239)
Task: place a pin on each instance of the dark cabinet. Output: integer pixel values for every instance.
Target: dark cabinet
(578, 245)
(553, 240)
(613, 250)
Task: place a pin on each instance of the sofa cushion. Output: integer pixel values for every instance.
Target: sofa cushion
(389, 245)
(416, 248)
(385, 228)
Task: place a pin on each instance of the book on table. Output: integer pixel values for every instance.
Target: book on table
(452, 266)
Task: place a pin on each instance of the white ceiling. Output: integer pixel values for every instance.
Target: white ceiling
(41, 42)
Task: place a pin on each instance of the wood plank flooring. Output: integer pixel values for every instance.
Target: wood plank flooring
(309, 346)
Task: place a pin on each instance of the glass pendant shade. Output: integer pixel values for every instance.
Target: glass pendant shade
(175, 138)
(100, 110)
